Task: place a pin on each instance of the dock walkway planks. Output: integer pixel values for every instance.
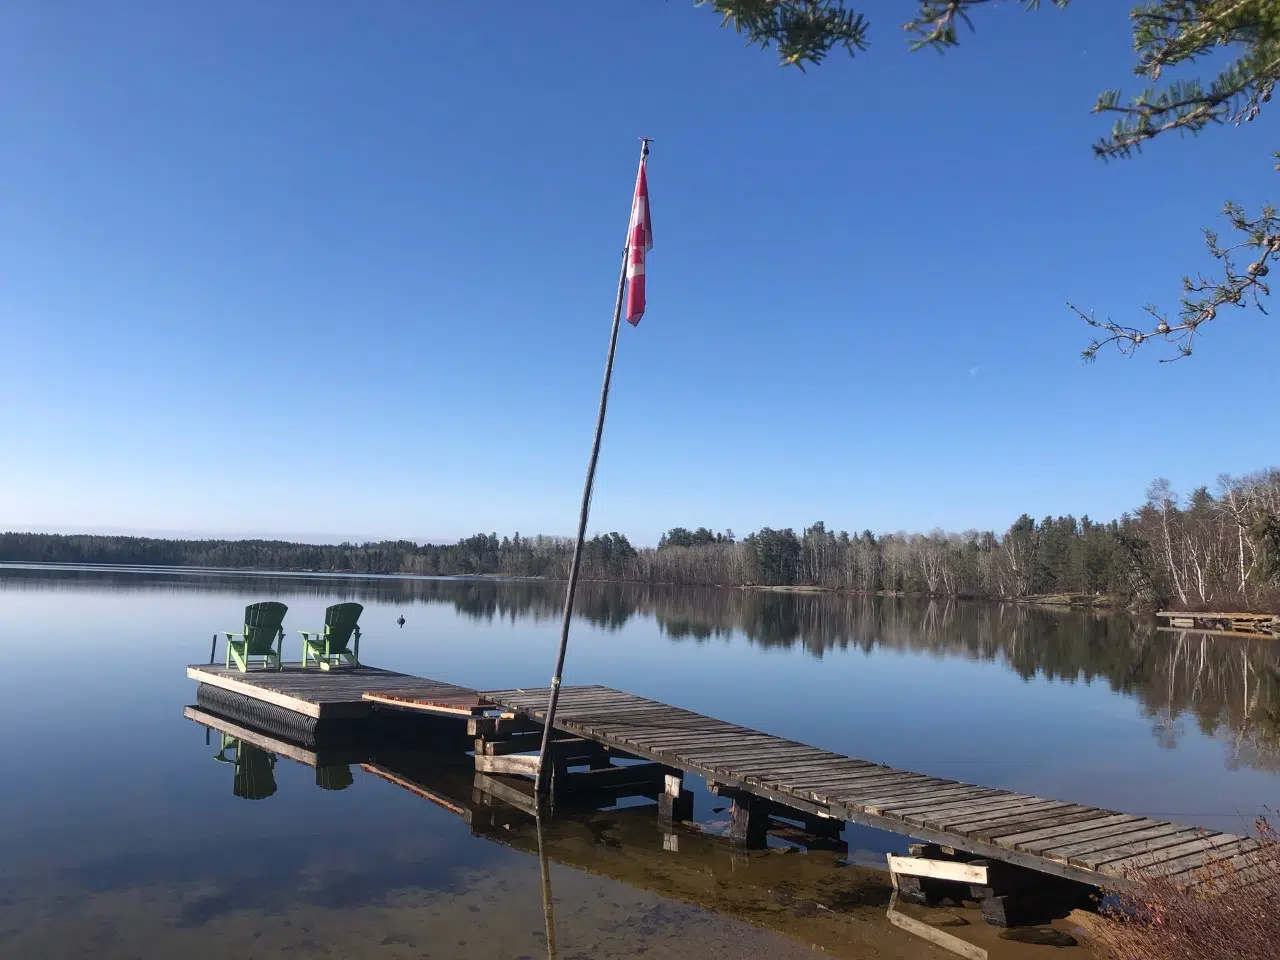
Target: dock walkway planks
(341, 693)
(1094, 846)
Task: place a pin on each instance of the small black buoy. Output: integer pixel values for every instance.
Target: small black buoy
(400, 620)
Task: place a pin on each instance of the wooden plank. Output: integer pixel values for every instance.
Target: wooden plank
(501, 726)
(655, 713)
(835, 773)
(507, 793)
(852, 788)
(765, 753)
(615, 776)
(1187, 869)
(572, 696)
(1175, 859)
(927, 795)
(884, 784)
(1247, 876)
(1095, 859)
(996, 803)
(711, 729)
(882, 781)
(305, 707)
(697, 739)
(560, 745)
(694, 740)
(871, 773)
(958, 800)
(953, 870)
(1016, 822)
(947, 941)
(943, 817)
(922, 790)
(649, 714)
(400, 704)
(778, 767)
(916, 808)
(1101, 831)
(1018, 818)
(1051, 833)
(1233, 867)
(621, 705)
(513, 764)
(1069, 851)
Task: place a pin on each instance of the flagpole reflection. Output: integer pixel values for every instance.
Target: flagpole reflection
(544, 868)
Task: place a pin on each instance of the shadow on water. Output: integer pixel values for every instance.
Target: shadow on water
(1230, 687)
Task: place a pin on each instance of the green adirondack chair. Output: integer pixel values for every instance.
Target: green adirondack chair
(263, 636)
(254, 777)
(338, 641)
(336, 776)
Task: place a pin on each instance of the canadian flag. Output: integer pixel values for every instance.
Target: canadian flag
(639, 243)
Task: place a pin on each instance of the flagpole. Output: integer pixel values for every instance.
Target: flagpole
(542, 782)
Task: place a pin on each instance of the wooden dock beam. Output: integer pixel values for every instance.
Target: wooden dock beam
(675, 803)
(1009, 896)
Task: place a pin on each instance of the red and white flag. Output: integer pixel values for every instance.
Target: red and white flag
(639, 243)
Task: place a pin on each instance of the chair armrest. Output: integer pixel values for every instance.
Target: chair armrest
(230, 634)
(308, 634)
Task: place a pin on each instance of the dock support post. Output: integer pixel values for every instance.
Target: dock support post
(748, 822)
(675, 804)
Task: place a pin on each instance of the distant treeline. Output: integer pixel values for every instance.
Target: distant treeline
(1220, 547)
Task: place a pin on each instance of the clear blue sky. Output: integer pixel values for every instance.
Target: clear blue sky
(332, 269)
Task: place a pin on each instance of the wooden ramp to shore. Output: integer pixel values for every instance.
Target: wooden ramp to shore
(1078, 842)
(343, 693)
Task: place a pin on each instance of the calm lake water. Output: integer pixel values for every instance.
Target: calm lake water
(121, 837)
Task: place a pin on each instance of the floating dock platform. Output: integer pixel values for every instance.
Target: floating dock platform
(348, 693)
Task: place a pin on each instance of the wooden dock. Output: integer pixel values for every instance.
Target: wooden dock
(764, 776)
(1077, 842)
(1262, 625)
(342, 694)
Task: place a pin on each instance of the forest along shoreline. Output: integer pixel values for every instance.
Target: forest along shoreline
(1215, 550)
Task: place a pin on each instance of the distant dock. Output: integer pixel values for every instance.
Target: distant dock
(1262, 625)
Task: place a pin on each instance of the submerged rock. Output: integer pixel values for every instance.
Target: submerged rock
(1043, 936)
(944, 919)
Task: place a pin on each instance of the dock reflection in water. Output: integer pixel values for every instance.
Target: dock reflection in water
(802, 887)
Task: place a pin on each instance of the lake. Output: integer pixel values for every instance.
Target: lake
(121, 837)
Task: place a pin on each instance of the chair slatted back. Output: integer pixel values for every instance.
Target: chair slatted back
(340, 623)
(262, 623)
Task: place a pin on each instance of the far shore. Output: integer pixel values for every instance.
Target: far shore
(1079, 601)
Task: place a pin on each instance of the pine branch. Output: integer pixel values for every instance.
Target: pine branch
(1169, 33)
(1202, 298)
(804, 31)
(935, 25)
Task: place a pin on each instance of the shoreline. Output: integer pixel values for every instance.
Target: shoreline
(1074, 601)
